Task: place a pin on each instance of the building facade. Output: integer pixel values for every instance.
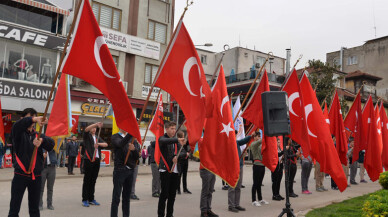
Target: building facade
(371, 58)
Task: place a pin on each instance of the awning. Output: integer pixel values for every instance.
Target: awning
(44, 6)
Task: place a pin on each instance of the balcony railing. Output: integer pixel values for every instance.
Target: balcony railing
(251, 75)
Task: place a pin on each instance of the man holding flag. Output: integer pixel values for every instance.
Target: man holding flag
(92, 146)
(123, 173)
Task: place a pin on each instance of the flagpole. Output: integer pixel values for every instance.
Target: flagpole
(149, 121)
(216, 70)
(297, 61)
(248, 132)
(55, 80)
(253, 84)
(99, 128)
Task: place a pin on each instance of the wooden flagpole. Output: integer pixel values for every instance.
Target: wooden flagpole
(252, 85)
(99, 128)
(55, 79)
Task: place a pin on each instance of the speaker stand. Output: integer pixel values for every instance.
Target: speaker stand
(287, 210)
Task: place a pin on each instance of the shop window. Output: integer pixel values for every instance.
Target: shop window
(157, 31)
(116, 60)
(204, 59)
(107, 16)
(150, 73)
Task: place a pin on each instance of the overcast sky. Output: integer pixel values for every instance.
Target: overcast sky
(309, 27)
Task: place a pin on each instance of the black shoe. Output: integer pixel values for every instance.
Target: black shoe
(178, 191)
(187, 191)
(242, 186)
(225, 187)
(232, 209)
(293, 195)
(50, 207)
(334, 188)
(354, 183)
(281, 197)
(134, 197)
(276, 198)
(204, 214)
(210, 213)
(240, 208)
(155, 195)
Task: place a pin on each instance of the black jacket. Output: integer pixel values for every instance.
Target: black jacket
(120, 145)
(88, 145)
(72, 149)
(22, 146)
(52, 157)
(151, 152)
(168, 150)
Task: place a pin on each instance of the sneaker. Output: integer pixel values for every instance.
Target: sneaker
(320, 189)
(255, 203)
(232, 209)
(325, 189)
(94, 202)
(363, 181)
(263, 202)
(225, 187)
(240, 208)
(155, 195)
(85, 203)
(334, 188)
(210, 213)
(306, 192)
(50, 207)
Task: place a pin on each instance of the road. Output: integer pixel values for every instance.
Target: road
(67, 195)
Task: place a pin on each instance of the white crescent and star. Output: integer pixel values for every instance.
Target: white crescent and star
(97, 46)
(224, 101)
(308, 109)
(227, 128)
(186, 72)
(293, 97)
(377, 122)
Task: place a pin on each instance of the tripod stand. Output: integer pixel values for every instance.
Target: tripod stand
(287, 210)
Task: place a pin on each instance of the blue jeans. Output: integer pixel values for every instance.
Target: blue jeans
(61, 162)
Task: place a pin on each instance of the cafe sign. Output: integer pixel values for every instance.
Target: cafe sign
(91, 109)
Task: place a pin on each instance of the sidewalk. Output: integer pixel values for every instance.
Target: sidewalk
(6, 174)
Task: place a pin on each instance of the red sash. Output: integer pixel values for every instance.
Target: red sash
(33, 163)
(94, 153)
(164, 160)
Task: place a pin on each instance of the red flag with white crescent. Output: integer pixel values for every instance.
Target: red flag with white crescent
(353, 122)
(89, 59)
(157, 127)
(322, 145)
(74, 121)
(182, 76)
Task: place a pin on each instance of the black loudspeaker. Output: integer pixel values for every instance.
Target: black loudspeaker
(275, 113)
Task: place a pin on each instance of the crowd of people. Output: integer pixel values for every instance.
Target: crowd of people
(166, 177)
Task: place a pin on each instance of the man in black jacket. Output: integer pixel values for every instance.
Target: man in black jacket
(72, 152)
(24, 139)
(92, 163)
(169, 147)
(183, 165)
(123, 171)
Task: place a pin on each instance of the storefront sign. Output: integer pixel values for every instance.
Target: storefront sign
(30, 37)
(167, 116)
(146, 89)
(90, 109)
(131, 44)
(24, 90)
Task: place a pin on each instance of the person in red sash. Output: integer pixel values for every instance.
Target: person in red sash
(92, 163)
(169, 147)
(24, 139)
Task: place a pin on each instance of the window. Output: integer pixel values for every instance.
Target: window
(260, 60)
(352, 60)
(107, 16)
(150, 73)
(157, 32)
(116, 60)
(203, 59)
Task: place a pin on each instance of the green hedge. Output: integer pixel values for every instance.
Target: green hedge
(376, 205)
(383, 180)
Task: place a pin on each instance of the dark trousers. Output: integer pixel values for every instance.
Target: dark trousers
(81, 166)
(90, 177)
(70, 166)
(169, 185)
(258, 176)
(48, 174)
(333, 184)
(184, 165)
(276, 178)
(122, 184)
(208, 181)
(291, 177)
(19, 185)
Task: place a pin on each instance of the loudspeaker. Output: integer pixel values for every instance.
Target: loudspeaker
(275, 113)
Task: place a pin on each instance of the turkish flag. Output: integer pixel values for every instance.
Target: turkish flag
(74, 121)
(89, 59)
(367, 112)
(326, 114)
(296, 112)
(218, 152)
(157, 127)
(254, 114)
(337, 129)
(1, 126)
(253, 111)
(182, 76)
(321, 143)
(59, 121)
(384, 131)
(353, 122)
(372, 162)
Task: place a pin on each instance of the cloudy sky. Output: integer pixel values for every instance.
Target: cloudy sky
(309, 27)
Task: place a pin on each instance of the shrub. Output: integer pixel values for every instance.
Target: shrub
(383, 180)
(376, 205)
